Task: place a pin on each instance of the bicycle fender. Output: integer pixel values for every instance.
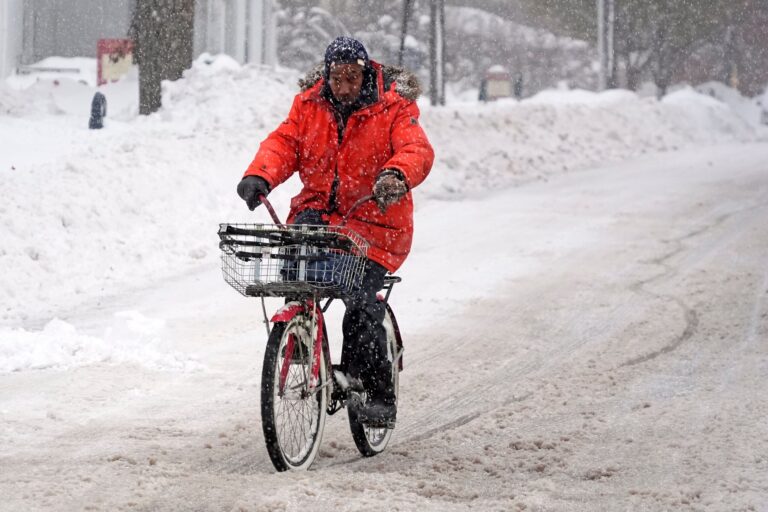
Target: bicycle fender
(398, 335)
(287, 312)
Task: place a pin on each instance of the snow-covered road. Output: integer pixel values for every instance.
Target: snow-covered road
(595, 342)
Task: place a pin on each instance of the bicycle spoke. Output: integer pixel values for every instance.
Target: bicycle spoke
(294, 416)
(297, 412)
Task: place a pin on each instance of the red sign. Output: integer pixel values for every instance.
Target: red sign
(114, 59)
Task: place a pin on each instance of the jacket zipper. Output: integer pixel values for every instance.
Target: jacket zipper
(340, 128)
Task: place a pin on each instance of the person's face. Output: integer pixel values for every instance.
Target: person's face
(346, 80)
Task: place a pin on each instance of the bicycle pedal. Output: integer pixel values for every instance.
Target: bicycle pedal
(355, 401)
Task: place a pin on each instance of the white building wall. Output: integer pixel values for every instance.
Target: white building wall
(236, 42)
(242, 29)
(261, 32)
(11, 35)
(210, 26)
(269, 36)
(71, 28)
(256, 31)
(31, 30)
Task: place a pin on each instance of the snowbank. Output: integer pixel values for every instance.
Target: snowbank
(10, 103)
(132, 338)
(134, 202)
(485, 146)
(87, 214)
(749, 109)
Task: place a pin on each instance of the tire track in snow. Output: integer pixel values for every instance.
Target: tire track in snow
(484, 393)
(690, 315)
(480, 394)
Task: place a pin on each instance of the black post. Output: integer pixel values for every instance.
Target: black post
(98, 112)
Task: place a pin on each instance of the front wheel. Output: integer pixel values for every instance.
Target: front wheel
(292, 413)
(371, 441)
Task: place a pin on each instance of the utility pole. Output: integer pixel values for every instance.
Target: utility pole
(601, 54)
(404, 31)
(437, 52)
(610, 26)
(606, 17)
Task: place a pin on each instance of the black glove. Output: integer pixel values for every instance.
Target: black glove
(250, 188)
(389, 188)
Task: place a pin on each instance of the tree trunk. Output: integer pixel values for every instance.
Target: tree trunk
(162, 31)
(633, 76)
(663, 79)
(662, 87)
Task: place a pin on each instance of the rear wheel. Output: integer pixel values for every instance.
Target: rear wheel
(371, 441)
(292, 416)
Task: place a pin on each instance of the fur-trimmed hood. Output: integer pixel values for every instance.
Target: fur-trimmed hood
(406, 83)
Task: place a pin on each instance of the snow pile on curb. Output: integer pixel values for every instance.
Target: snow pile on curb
(11, 103)
(139, 201)
(749, 109)
(508, 143)
(131, 339)
(135, 202)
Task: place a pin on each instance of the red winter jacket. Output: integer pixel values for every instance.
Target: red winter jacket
(385, 134)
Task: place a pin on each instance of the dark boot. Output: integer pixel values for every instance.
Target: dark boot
(380, 410)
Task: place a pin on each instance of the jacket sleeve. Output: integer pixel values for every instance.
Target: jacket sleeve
(413, 154)
(278, 155)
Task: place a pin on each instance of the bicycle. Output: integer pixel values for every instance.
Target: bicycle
(300, 386)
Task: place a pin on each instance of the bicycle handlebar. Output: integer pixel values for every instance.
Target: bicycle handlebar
(355, 206)
(344, 219)
(270, 209)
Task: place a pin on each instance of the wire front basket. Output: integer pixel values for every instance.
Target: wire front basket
(267, 260)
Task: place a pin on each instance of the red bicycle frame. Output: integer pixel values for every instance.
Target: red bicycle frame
(286, 314)
(290, 310)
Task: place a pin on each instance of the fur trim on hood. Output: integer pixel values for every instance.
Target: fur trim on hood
(407, 84)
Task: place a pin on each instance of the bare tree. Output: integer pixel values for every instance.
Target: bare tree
(653, 37)
(744, 43)
(162, 31)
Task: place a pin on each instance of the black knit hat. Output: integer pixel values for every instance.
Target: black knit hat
(345, 50)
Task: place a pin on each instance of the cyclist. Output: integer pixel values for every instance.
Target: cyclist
(353, 130)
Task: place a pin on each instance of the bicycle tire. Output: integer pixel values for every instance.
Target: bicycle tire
(372, 441)
(293, 424)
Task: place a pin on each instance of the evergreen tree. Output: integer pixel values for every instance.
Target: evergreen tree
(744, 46)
